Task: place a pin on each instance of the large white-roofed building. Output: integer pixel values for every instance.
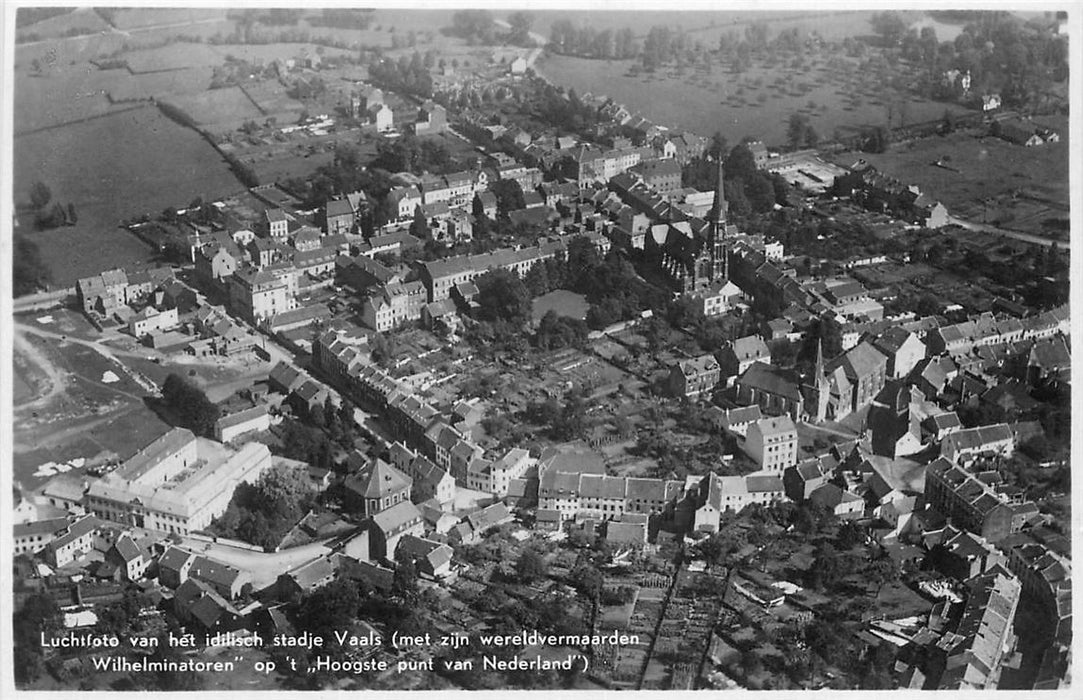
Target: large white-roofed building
(177, 483)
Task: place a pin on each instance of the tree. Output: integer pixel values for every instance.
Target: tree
(40, 195)
(797, 130)
(890, 26)
(740, 164)
(520, 28)
(419, 227)
(530, 566)
(586, 579)
(503, 297)
(39, 615)
(509, 195)
(190, 405)
(29, 272)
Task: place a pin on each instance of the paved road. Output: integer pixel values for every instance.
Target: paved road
(1018, 235)
(265, 567)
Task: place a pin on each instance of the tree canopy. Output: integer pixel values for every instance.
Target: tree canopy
(190, 405)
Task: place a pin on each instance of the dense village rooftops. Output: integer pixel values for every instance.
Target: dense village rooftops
(978, 438)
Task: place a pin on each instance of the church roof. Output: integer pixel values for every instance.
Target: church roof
(378, 480)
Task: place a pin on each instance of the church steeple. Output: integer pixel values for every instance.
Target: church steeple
(720, 264)
(819, 358)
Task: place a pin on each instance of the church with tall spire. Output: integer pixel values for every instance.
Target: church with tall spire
(694, 255)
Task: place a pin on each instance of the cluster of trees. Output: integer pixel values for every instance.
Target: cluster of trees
(1000, 52)
(747, 189)
(662, 45)
(519, 24)
(342, 18)
(38, 615)
(476, 26)
(47, 217)
(262, 513)
(588, 42)
(29, 271)
(564, 418)
(345, 173)
(408, 75)
(800, 132)
(569, 113)
(503, 298)
(189, 405)
(315, 443)
(414, 154)
(556, 332)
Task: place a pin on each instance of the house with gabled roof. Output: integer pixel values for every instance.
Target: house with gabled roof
(431, 559)
(228, 581)
(866, 369)
(692, 377)
(902, 348)
(390, 525)
(775, 390)
(174, 566)
(197, 603)
(840, 503)
(736, 420)
(737, 356)
(963, 445)
(473, 527)
(772, 443)
(305, 578)
(132, 559)
(801, 479)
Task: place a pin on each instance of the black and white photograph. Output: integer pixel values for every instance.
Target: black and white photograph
(598, 346)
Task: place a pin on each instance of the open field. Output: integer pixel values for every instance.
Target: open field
(113, 168)
(708, 26)
(81, 19)
(144, 17)
(984, 168)
(834, 92)
(223, 109)
(63, 95)
(563, 302)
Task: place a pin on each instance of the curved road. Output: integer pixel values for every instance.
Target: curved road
(265, 567)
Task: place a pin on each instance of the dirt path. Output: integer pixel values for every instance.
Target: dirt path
(58, 437)
(103, 350)
(57, 380)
